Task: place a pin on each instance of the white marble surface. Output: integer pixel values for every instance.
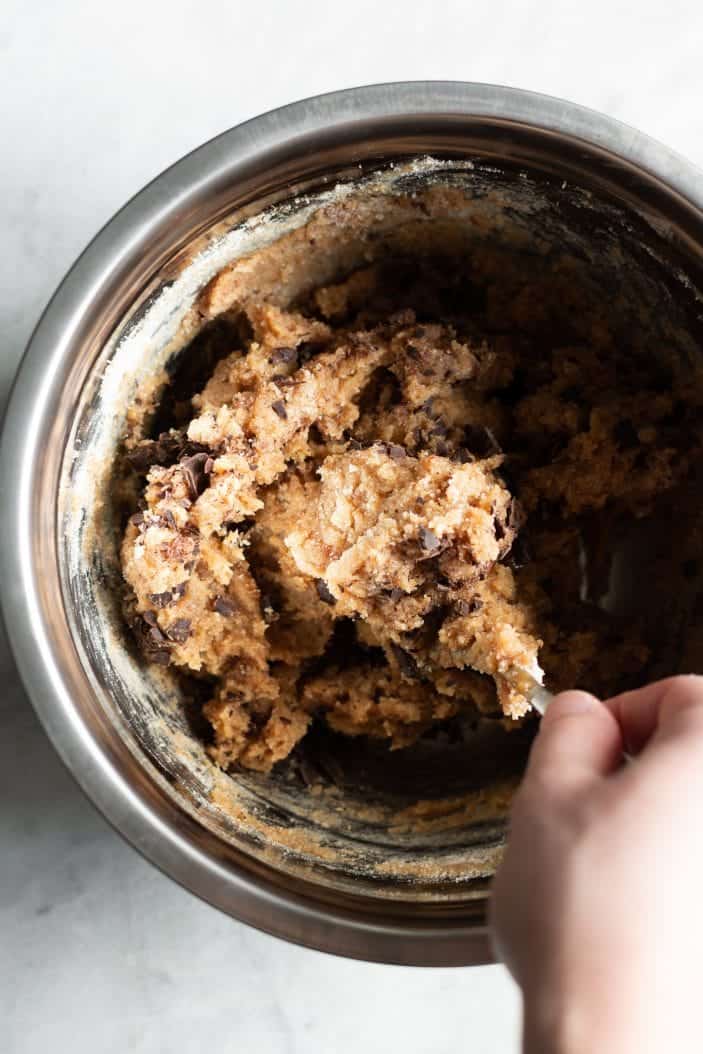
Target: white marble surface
(98, 951)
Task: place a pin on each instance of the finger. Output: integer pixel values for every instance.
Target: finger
(664, 704)
(579, 742)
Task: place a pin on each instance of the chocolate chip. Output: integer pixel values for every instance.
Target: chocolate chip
(323, 592)
(194, 473)
(398, 453)
(625, 435)
(150, 618)
(429, 540)
(160, 600)
(169, 518)
(156, 635)
(179, 631)
(406, 663)
(283, 355)
(279, 407)
(224, 606)
(178, 591)
(209, 465)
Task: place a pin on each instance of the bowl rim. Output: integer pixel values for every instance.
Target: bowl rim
(288, 915)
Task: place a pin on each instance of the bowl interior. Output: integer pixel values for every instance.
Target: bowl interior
(424, 825)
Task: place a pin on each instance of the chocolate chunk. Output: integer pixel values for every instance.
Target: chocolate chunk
(152, 641)
(625, 435)
(165, 450)
(469, 607)
(323, 592)
(179, 631)
(209, 465)
(464, 456)
(308, 349)
(160, 600)
(513, 516)
(159, 656)
(144, 456)
(194, 473)
(398, 453)
(279, 407)
(429, 540)
(224, 606)
(178, 591)
(519, 554)
(169, 518)
(406, 662)
(283, 355)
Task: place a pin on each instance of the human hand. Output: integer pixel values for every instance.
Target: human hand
(598, 906)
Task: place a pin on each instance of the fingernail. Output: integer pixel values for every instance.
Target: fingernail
(570, 704)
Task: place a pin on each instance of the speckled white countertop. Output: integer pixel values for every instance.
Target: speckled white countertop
(98, 951)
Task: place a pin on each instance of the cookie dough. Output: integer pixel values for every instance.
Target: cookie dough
(381, 508)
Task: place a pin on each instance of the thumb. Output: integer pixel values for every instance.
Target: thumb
(579, 742)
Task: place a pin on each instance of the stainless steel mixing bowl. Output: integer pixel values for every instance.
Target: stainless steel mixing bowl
(604, 185)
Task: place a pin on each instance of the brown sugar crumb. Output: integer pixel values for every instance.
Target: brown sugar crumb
(377, 516)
